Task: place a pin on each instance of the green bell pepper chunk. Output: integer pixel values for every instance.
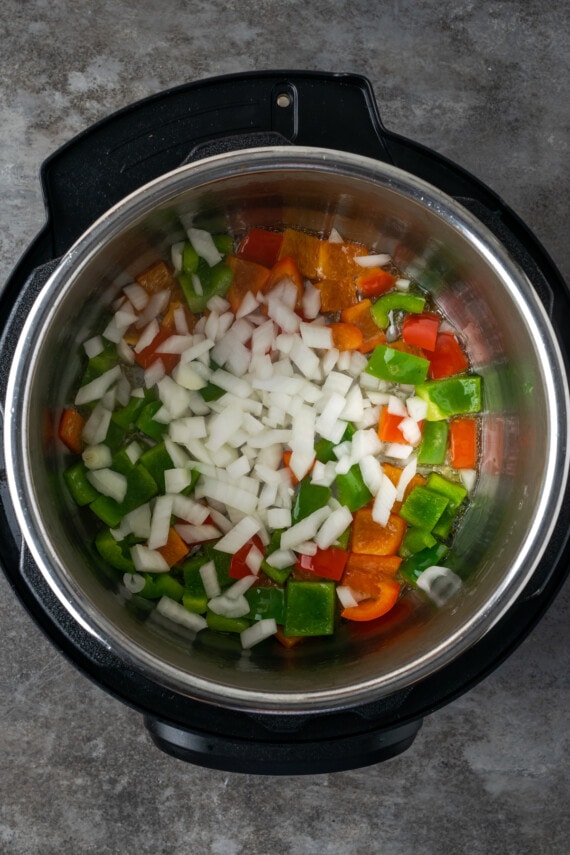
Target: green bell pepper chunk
(395, 301)
(324, 448)
(101, 363)
(141, 487)
(159, 585)
(195, 598)
(81, 489)
(146, 423)
(433, 447)
(116, 553)
(423, 507)
(211, 392)
(451, 396)
(455, 494)
(215, 281)
(126, 417)
(309, 608)
(220, 623)
(416, 539)
(412, 567)
(266, 602)
(277, 574)
(222, 562)
(397, 366)
(309, 498)
(351, 490)
(157, 460)
(224, 243)
(190, 258)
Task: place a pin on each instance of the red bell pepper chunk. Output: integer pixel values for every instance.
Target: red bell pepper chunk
(328, 563)
(375, 282)
(421, 330)
(463, 443)
(447, 358)
(388, 427)
(369, 609)
(148, 355)
(261, 246)
(238, 567)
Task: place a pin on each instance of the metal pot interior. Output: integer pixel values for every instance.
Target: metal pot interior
(480, 289)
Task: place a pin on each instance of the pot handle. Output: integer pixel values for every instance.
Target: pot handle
(279, 756)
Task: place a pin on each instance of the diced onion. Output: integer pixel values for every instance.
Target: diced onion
(178, 614)
(210, 580)
(134, 582)
(148, 560)
(238, 535)
(257, 632)
(109, 483)
(333, 527)
(346, 596)
(204, 245)
(97, 457)
(378, 260)
(439, 583)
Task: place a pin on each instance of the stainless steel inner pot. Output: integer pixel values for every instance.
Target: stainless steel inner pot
(481, 289)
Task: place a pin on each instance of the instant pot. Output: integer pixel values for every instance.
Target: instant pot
(309, 150)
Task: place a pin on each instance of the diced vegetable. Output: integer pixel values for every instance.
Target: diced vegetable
(259, 433)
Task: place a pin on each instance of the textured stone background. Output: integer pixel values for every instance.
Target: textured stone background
(485, 83)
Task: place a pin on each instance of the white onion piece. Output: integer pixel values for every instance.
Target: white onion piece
(371, 472)
(254, 559)
(147, 336)
(97, 457)
(238, 536)
(240, 587)
(398, 450)
(186, 508)
(154, 373)
(396, 406)
(410, 431)
(210, 579)
(316, 335)
(204, 245)
(279, 518)
(196, 533)
(160, 523)
(416, 407)
(176, 253)
(136, 295)
(178, 614)
(134, 582)
(333, 527)
(93, 346)
(109, 483)
(304, 530)
(346, 596)
(148, 560)
(377, 260)
(257, 632)
(228, 607)
(133, 451)
(137, 521)
(155, 306)
(281, 558)
(176, 480)
(439, 583)
(402, 284)
(406, 476)
(468, 477)
(384, 501)
(96, 389)
(335, 236)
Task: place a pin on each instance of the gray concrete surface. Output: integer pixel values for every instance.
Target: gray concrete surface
(485, 83)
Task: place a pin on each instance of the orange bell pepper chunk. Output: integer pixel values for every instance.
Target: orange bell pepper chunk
(370, 538)
(361, 316)
(288, 641)
(304, 248)
(463, 443)
(174, 550)
(248, 277)
(168, 321)
(375, 282)
(336, 260)
(346, 336)
(156, 278)
(71, 430)
(336, 294)
(376, 607)
(261, 246)
(364, 573)
(285, 269)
